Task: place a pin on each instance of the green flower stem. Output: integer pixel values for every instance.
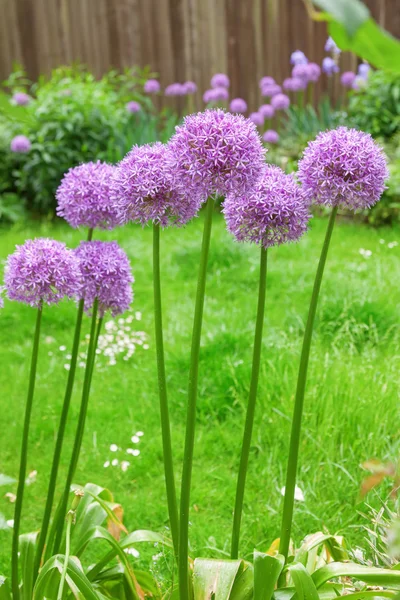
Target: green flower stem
(91, 355)
(162, 387)
(248, 429)
(191, 409)
(23, 461)
(287, 515)
(70, 517)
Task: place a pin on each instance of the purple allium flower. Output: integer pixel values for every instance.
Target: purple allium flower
(313, 71)
(329, 66)
(20, 144)
(298, 58)
(190, 87)
(217, 152)
(343, 167)
(300, 72)
(267, 111)
(347, 79)
(257, 118)
(215, 95)
(294, 84)
(42, 271)
(363, 70)
(280, 102)
(152, 86)
(175, 89)
(220, 80)
(238, 105)
(271, 90)
(21, 99)
(271, 136)
(143, 189)
(275, 211)
(265, 81)
(330, 46)
(107, 276)
(83, 196)
(133, 107)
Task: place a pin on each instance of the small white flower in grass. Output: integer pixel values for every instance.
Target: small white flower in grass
(67, 366)
(115, 462)
(133, 451)
(139, 433)
(157, 557)
(31, 477)
(132, 552)
(62, 348)
(359, 555)
(113, 447)
(393, 244)
(138, 316)
(125, 464)
(298, 493)
(381, 241)
(365, 253)
(106, 464)
(10, 523)
(135, 439)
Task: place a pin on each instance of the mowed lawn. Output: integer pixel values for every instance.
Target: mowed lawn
(352, 409)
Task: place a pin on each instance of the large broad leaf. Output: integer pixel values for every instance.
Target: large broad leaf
(372, 575)
(350, 13)
(266, 572)
(305, 586)
(243, 586)
(307, 552)
(5, 592)
(329, 591)
(48, 582)
(213, 578)
(27, 545)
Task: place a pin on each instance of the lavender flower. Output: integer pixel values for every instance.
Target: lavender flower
(363, 70)
(152, 86)
(280, 102)
(190, 87)
(347, 79)
(21, 99)
(329, 66)
(217, 152)
(330, 46)
(298, 58)
(266, 81)
(267, 111)
(238, 105)
(42, 271)
(144, 189)
(220, 80)
(301, 72)
(133, 107)
(215, 95)
(106, 273)
(83, 197)
(256, 118)
(313, 71)
(294, 84)
(175, 89)
(271, 136)
(273, 213)
(20, 144)
(343, 167)
(270, 90)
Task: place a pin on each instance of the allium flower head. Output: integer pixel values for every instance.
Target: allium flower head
(363, 70)
(190, 87)
(313, 71)
(271, 136)
(133, 107)
(175, 89)
(329, 66)
(257, 118)
(20, 144)
(217, 152)
(270, 90)
(220, 80)
(152, 86)
(275, 211)
(343, 167)
(264, 81)
(298, 58)
(107, 276)
(144, 189)
(42, 271)
(238, 105)
(330, 46)
(219, 94)
(300, 72)
(280, 102)
(83, 196)
(294, 84)
(21, 99)
(347, 79)
(267, 111)
(359, 83)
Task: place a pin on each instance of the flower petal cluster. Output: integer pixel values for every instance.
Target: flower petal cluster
(280, 102)
(267, 111)
(218, 94)
(294, 84)
(268, 91)
(343, 167)
(152, 86)
(190, 87)
(238, 105)
(347, 79)
(330, 46)
(21, 99)
(274, 212)
(257, 118)
(42, 271)
(313, 71)
(175, 89)
(83, 197)
(329, 66)
(20, 144)
(271, 136)
(298, 58)
(220, 80)
(264, 81)
(107, 276)
(133, 107)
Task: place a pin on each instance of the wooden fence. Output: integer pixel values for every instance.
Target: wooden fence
(179, 39)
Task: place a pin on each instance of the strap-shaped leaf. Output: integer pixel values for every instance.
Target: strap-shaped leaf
(332, 544)
(5, 592)
(49, 579)
(266, 572)
(305, 587)
(27, 545)
(243, 586)
(374, 576)
(213, 578)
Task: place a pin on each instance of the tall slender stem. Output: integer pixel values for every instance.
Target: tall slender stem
(23, 460)
(287, 515)
(66, 557)
(91, 354)
(162, 388)
(191, 409)
(248, 429)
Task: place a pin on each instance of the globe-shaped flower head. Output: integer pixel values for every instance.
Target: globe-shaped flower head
(190, 87)
(270, 90)
(347, 79)
(294, 84)
(216, 152)
(152, 86)
(133, 107)
(42, 271)
(257, 118)
(343, 167)
(329, 66)
(107, 276)
(144, 189)
(273, 213)
(238, 105)
(20, 144)
(83, 197)
(271, 136)
(267, 111)
(21, 99)
(280, 102)
(264, 81)
(220, 80)
(298, 58)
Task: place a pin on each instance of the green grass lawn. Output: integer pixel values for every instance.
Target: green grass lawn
(352, 406)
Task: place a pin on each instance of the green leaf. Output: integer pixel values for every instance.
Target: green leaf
(49, 578)
(371, 575)
(312, 542)
(349, 14)
(5, 592)
(266, 572)
(27, 544)
(243, 586)
(371, 595)
(6, 480)
(213, 578)
(305, 586)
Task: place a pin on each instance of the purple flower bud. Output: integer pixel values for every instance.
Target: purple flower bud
(267, 111)
(274, 212)
(280, 102)
(271, 90)
(363, 70)
(298, 58)
(107, 276)
(152, 86)
(220, 80)
(343, 167)
(271, 136)
(329, 66)
(42, 271)
(20, 144)
(190, 87)
(266, 81)
(133, 107)
(256, 118)
(238, 105)
(347, 79)
(21, 99)
(330, 46)
(313, 71)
